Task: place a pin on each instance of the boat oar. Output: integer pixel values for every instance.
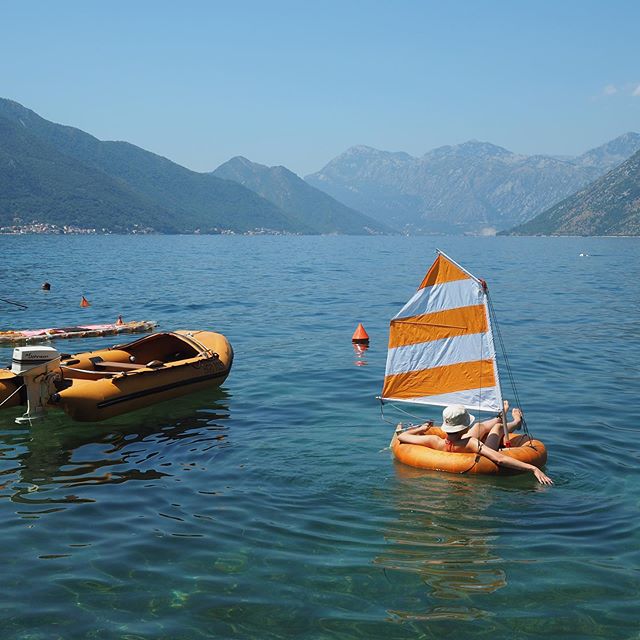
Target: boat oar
(17, 304)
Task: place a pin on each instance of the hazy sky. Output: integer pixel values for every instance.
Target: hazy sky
(298, 82)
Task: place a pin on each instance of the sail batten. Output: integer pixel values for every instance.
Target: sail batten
(441, 348)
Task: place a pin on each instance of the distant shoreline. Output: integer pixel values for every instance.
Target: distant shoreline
(8, 231)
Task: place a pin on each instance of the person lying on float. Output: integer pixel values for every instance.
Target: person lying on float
(463, 436)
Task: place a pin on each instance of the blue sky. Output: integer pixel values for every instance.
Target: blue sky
(296, 82)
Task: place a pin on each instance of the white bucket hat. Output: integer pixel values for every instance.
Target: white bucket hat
(456, 418)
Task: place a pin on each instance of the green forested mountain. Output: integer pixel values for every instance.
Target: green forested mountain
(298, 198)
(37, 183)
(127, 185)
(609, 206)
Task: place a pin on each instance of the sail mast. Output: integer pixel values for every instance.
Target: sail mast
(482, 283)
(503, 413)
(485, 290)
(496, 372)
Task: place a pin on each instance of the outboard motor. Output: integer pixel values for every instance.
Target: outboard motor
(39, 368)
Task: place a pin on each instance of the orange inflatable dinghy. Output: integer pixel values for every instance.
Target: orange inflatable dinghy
(524, 448)
(96, 385)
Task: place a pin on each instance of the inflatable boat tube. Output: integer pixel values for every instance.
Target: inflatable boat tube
(97, 385)
(523, 448)
(106, 383)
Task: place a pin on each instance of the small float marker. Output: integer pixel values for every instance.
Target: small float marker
(119, 321)
(360, 336)
(84, 302)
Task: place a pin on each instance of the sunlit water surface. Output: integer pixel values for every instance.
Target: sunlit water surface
(272, 508)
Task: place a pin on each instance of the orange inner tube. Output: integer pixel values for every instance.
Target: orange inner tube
(524, 448)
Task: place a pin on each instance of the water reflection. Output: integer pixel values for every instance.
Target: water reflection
(48, 463)
(360, 358)
(444, 536)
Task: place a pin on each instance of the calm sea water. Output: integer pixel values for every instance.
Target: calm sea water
(271, 508)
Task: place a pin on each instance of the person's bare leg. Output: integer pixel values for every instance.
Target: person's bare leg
(481, 430)
(494, 439)
(496, 435)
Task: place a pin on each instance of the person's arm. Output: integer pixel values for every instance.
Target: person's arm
(413, 435)
(506, 461)
(409, 438)
(421, 428)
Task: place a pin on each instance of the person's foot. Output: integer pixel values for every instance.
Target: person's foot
(516, 414)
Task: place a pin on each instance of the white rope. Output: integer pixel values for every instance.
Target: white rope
(93, 372)
(11, 396)
(397, 408)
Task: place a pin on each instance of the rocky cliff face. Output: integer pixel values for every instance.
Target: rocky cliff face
(471, 187)
(611, 154)
(609, 206)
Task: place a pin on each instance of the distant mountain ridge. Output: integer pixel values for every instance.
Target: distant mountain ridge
(38, 183)
(610, 206)
(611, 154)
(58, 175)
(469, 187)
(178, 200)
(298, 198)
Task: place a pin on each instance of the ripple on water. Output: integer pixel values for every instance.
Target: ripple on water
(268, 510)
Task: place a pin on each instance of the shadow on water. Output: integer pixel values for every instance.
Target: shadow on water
(46, 463)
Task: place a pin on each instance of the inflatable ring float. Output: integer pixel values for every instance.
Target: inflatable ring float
(524, 448)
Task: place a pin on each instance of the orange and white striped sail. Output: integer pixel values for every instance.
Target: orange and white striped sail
(441, 347)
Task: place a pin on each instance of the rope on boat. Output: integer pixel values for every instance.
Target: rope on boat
(508, 366)
(92, 371)
(204, 350)
(13, 394)
(16, 304)
(397, 408)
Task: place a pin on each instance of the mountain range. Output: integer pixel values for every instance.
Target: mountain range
(608, 206)
(40, 184)
(293, 195)
(473, 187)
(55, 174)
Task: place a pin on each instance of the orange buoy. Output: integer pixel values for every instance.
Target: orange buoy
(84, 302)
(119, 321)
(360, 336)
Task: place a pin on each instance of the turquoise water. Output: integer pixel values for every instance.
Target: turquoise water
(270, 508)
